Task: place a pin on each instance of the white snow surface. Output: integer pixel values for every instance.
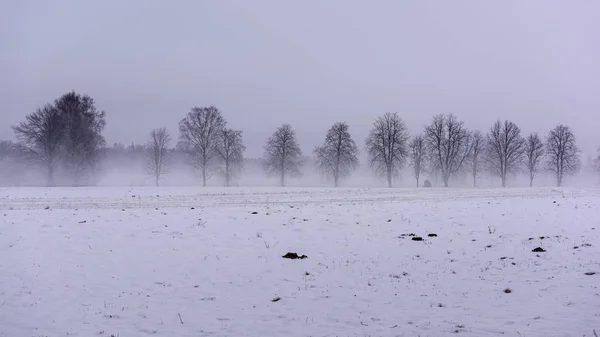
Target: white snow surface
(196, 262)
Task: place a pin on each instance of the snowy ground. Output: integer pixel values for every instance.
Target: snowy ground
(178, 262)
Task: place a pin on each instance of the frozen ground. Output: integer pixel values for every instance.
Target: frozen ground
(178, 262)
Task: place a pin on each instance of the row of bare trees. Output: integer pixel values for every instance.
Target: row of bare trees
(209, 143)
(449, 148)
(67, 135)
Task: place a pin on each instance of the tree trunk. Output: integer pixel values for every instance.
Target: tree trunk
(559, 179)
(389, 177)
(530, 181)
(336, 173)
(446, 179)
(417, 181)
(50, 176)
(203, 176)
(474, 179)
(282, 179)
(503, 177)
(157, 180)
(227, 175)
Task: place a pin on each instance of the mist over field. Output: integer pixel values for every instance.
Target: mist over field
(299, 168)
(307, 65)
(130, 172)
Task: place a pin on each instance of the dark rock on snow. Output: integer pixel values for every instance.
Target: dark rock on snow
(294, 256)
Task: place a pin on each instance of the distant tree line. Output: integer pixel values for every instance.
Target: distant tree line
(65, 138)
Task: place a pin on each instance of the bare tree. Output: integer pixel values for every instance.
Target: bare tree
(231, 150)
(475, 154)
(83, 140)
(534, 153)
(448, 143)
(200, 135)
(504, 149)
(418, 156)
(338, 155)
(40, 137)
(282, 153)
(387, 145)
(158, 153)
(562, 152)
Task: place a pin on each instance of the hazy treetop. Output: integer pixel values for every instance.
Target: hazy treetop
(306, 63)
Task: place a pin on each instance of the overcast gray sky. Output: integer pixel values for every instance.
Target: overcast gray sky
(307, 63)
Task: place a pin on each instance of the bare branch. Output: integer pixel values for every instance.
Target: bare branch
(562, 152)
(448, 143)
(282, 153)
(418, 156)
(534, 154)
(505, 149)
(231, 150)
(83, 140)
(40, 138)
(200, 135)
(338, 155)
(387, 146)
(158, 153)
(476, 152)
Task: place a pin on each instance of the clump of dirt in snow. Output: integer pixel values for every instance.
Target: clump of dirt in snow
(409, 234)
(294, 256)
(417, 238)
(538, 250)
(432, 235)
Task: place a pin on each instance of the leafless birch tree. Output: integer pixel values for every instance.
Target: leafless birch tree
(476, 152)
(448, 142)
(504, 149)
(158, 153)
(418, 156)
(231, 150)
(387, 145)
(534, 154)
(562, 152)
(40, 137)
(282, 154)
(338, 155)
(200, 136)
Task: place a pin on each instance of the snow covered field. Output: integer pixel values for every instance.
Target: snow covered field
(197, 262)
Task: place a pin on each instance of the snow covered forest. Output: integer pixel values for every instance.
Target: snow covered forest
(62, 144)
